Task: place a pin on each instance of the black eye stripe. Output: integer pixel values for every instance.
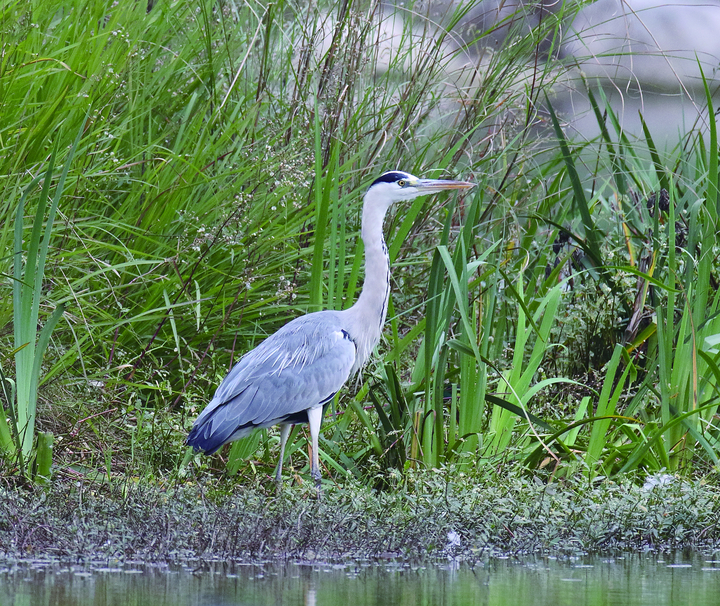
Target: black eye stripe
(391, 177)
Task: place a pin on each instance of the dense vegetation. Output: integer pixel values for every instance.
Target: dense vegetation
(179, 182)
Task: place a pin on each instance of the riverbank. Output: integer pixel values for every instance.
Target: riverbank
(432, 515)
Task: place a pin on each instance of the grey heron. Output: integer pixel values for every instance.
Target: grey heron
(293, 374)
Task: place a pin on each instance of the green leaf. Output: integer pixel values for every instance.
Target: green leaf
(593, 235)
(45, 442)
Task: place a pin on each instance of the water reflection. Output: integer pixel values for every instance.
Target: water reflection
(628, 580)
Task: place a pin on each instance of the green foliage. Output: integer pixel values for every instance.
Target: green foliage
(213, 192)
(18, 438)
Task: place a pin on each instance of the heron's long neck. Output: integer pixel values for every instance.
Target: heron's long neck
(367, 316)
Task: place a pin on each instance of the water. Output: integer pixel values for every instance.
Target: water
(630, 580)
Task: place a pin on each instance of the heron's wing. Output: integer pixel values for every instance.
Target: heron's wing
(301, 366)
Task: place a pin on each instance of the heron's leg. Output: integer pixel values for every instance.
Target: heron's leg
(315, 416)
(284, 433)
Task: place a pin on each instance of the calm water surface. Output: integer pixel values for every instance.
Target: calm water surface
(630, 580)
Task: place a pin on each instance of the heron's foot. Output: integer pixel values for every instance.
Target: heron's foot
(278, 471)
(317, 477)
(278, 479)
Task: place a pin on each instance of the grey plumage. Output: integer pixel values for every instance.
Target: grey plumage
(290, 376)
(307, 360)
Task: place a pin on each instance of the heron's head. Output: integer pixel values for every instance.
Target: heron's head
(396, 186)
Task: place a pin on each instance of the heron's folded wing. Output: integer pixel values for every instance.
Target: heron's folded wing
(299, 367)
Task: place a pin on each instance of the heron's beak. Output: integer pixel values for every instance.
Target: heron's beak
(435, 185)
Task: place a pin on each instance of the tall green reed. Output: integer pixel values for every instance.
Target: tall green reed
(29, 284)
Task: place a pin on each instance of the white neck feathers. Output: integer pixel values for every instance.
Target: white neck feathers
(367, 316)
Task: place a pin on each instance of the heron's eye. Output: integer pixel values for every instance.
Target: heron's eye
(402, 183)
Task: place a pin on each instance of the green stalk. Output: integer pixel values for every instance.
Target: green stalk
(323, 187)
(606, 405)
(592, 234)
(712, 192)
(27, 293)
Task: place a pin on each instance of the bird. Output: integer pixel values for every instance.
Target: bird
(291, 376)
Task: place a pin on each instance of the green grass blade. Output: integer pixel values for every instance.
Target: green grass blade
(659, 168)
(638, 454)
(9, 438)
(519, 412)
(43, 472)
(173, 326)
(712, 193)
(323, 183)
(459, 296)
(241, 450)
(22, 321)
(593, 235)
(604, 408)
(619, 167)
